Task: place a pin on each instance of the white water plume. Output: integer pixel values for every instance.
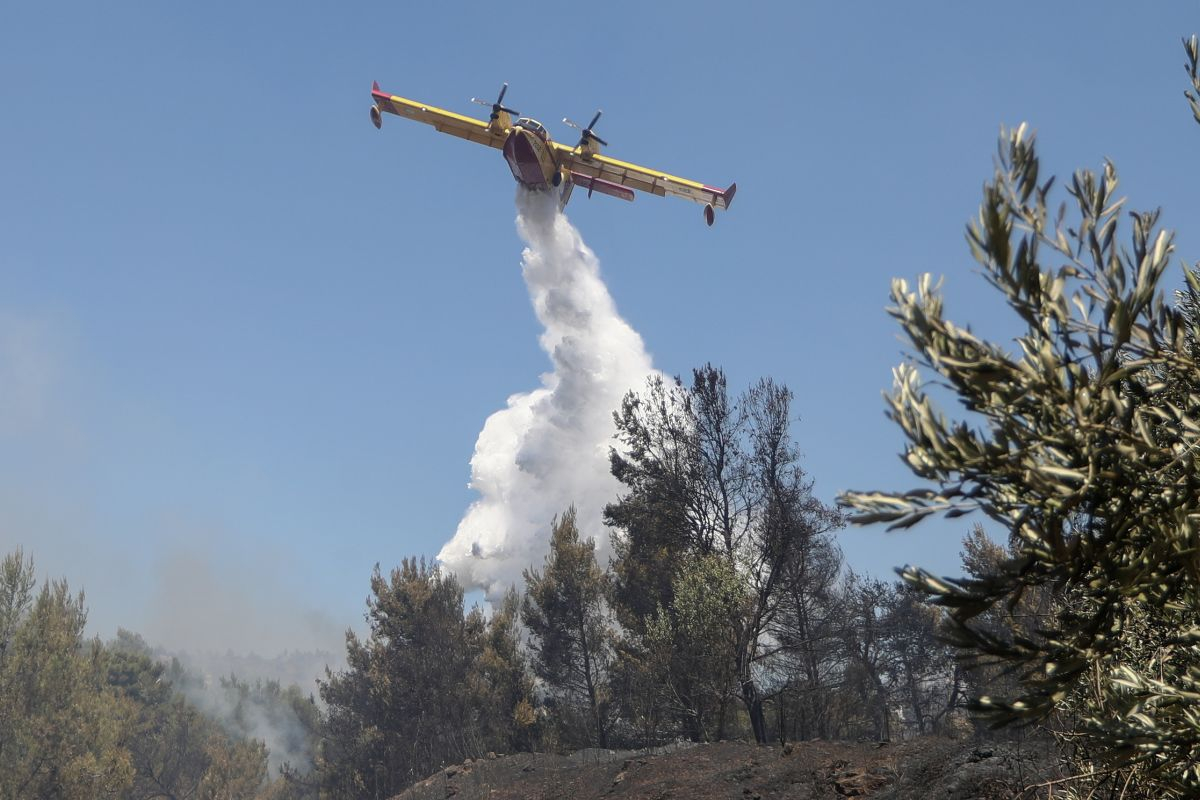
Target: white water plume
(549, 448)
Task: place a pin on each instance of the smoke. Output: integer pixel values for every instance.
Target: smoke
(212, 593)
(549, 448)
(249, 710)
(29, 372)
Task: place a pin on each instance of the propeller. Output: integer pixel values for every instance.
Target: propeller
(587, 132)
(497, 106)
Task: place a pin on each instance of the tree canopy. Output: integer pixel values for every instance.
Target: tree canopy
(1082, 447)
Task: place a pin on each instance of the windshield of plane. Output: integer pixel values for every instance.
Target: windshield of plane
(533, 126)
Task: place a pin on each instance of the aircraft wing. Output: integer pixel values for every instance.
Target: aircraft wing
(445, 121)
(642, 179)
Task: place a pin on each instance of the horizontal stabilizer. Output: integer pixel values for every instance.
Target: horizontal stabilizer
(602, 186)
(717, 198)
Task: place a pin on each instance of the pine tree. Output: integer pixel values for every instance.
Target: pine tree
(570, 635)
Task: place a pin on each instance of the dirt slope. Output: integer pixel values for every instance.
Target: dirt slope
(925, 768)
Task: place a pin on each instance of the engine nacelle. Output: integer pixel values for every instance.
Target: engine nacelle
(710, 215)
(376, 117)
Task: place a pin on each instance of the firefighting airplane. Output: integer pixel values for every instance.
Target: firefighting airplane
(538, 162)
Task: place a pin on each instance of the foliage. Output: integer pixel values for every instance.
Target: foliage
(1085, 452)
(79, 719)
(864, 603)
(808, 630)
(411, 699)
(922, 675)
(570, 634)
(710, 476)
(501, 685)
(61, 731)
(697, 647)
(1022, 616)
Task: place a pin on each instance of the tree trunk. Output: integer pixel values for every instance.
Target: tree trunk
(721, 716)
(885, 723)
(754, 707)
(593, 701)
(692, 724)
(814, 697)
(914, 698)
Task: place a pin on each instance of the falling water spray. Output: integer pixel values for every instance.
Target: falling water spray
(548, 449)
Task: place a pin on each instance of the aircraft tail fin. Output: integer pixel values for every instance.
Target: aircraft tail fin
(729, 193)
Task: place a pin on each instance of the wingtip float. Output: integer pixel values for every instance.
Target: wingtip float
(538, 162)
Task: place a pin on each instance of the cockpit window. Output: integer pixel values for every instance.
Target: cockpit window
(533, 126)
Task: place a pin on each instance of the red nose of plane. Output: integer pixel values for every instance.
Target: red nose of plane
(522, 158)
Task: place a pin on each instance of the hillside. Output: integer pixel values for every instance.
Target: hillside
(931, 769)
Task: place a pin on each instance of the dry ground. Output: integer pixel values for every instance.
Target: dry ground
(930, 769)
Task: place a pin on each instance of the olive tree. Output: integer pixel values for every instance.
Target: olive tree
(1084, 446)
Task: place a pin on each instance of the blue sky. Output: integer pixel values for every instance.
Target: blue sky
(249, 341)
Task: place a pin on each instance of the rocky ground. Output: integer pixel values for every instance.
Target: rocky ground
(930, 769)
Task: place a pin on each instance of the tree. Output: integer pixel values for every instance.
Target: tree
(236, 769)
(655, 518)
(178, 751)
(699, 670)
(808, 630)
(1084, 449)
(79, 719)
(867, 676)
(283, 719)
(410, 699)
(61, 732)
(923, 675)
(570, 635)
(980, 674)
(502, 687)
(169, 737)
(16, 595)
(710, 475)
